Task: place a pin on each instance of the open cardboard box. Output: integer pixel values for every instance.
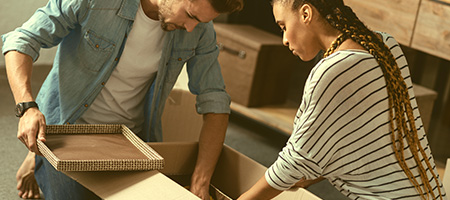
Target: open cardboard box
(235, 173)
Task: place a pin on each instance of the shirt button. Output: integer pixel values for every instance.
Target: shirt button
(97, 46)
(85, 105)
(103, 83)
(179, 59)
(116, 59)
(68, 123)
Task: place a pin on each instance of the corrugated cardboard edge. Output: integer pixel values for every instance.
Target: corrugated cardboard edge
(155, 161)
(47, 153)
(143, 147)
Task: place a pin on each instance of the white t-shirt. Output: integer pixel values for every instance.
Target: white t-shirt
(121, 101)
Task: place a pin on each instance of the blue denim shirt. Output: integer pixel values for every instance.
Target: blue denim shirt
(91, 35)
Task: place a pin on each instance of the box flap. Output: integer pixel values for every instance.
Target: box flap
(180, 110)
(131, 185)
(235, 173)
(446, 181)
(179, 157)
(297, 194)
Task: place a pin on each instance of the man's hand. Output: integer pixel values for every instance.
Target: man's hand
(211, 141)
(32, 127)
(200, 190)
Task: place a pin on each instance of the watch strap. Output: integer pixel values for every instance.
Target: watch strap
(24, 106)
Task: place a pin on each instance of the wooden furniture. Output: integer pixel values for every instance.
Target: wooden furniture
(255, 65)
(395, 17)
(421, 24)
(432, 32)
(280, 117)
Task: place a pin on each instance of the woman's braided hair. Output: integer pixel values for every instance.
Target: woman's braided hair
(345, 20)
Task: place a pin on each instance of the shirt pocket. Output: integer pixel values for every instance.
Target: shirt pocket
(94, 51)
(176, 62)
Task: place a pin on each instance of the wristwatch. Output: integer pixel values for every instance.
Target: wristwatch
(23, 106)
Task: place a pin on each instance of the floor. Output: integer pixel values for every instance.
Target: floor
(249, 137)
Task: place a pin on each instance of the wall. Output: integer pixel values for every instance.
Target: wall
(13, 14)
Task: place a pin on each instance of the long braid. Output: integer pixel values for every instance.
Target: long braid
(345, 20)
(399, 99)
(397, 90)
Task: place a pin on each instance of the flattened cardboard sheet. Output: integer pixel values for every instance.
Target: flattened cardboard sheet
(97, 148)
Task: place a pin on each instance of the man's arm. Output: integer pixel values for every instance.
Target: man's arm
(212, 137)
(32, 123)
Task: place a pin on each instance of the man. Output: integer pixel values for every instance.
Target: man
(114, 65)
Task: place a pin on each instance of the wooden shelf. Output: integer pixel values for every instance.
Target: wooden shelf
(279, 117)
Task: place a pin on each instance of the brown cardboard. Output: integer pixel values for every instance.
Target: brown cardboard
(180, 120)
(131, 185)
(446, 178)
(91, 147)
(235, 173)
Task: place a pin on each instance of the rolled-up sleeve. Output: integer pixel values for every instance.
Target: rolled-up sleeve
(205, 77)
(46, 27)
(21, 42)
(213, 102)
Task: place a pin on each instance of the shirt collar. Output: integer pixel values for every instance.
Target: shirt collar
(128, 9)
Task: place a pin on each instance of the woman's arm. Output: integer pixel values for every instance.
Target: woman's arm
(261, 190)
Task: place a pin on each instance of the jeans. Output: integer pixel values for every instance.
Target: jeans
(57, 186)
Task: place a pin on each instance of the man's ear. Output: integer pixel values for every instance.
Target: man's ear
(305, 13)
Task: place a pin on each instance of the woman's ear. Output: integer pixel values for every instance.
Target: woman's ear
(305, 13)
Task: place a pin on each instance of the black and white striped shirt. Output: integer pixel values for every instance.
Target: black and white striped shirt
(341, 131)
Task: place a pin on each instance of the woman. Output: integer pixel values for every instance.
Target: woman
(358, 124)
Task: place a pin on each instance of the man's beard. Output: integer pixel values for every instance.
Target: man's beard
(168, 26)
(164, 11)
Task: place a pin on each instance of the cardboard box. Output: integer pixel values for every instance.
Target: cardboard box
(425, 98)
(180, 120)
(235, 173)
(446, 178)
(256, 67)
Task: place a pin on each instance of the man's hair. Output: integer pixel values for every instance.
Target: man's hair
(227, 6)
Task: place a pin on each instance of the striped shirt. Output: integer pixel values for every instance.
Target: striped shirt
(342, 131)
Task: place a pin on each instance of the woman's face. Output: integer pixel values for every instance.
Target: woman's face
(297, 33)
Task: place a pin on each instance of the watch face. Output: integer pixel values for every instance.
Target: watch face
(22, 107)
(19, 109)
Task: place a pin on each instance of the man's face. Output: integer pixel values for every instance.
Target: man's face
(185, 14)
